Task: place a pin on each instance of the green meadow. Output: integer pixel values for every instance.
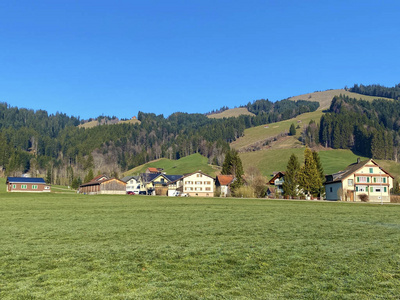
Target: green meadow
(187, 164)
(63, 246)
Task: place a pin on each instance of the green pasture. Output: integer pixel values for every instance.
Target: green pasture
(58, 246)
(255, 134)
(187, 164)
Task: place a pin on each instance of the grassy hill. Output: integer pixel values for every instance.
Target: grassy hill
(181, 166)
(325, 98)
(233, 112)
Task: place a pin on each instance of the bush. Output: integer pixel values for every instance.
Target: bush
(244, 192)
(363, 197)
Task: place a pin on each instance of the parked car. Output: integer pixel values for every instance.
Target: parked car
(184, 195)
(142, 193)
(131, 193)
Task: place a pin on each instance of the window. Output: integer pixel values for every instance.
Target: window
(350, 182)
(208, 189)
(199, 175)
(377, 190)
(330, 190)
(14, 186)
(198, 182)
(372, 189)
(384, 189)
(34, 187)
(362, 179)
(207, 182)
(384, 179)
(361, 188)
(23, 186)
(371, 170)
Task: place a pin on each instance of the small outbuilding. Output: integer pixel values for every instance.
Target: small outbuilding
(27, 184)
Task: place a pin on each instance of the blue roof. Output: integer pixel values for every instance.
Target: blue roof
(25, 180)
(173, 177)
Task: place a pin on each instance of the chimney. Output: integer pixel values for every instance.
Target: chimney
(358, 160)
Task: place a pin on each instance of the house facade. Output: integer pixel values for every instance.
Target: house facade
(26, 184)
(197, 184)
(277, 181)
(358, 180)
(132, 183)
(224, 183)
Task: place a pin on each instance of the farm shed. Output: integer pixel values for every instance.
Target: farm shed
(104, 186)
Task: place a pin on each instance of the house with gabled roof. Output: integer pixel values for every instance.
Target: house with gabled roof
(277, 181)
(156, 183)
(132, 183)
(194, 184)
(224, 183)
(27, 184)
(364, 179)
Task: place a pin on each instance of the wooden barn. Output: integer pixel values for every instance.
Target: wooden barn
(26, 184)
(103, 185)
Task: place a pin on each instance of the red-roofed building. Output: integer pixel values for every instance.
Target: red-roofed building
(224, 182)
(151, 170)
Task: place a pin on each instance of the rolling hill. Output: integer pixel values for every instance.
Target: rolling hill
(233, 112)
(274, 156)
(181, 166)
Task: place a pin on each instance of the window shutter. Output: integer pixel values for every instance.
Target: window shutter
(371, 189)
(367, 179)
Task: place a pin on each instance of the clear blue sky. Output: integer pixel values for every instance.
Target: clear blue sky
(88, 58)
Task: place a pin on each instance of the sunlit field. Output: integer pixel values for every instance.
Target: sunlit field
(56, 246)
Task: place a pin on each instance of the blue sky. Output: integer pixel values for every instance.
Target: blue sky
(88, 58)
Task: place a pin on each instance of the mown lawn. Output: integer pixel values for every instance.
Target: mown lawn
(127, 247)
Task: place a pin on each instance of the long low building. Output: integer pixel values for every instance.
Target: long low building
(27, 184)
(103, 185)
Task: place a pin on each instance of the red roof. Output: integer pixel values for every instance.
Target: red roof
(225, 179)
(153, 170)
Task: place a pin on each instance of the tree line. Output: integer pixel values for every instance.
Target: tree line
(54, 145)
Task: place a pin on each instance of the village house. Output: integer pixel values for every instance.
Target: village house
(223, 182)
(27, 184)
(194, 184)
(132, 184)
(277, 181)
(156, 183)
(364, 179)
(103, 185)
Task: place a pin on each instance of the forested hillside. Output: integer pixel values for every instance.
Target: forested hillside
(371, 129)
(54, 145)
(377, 90)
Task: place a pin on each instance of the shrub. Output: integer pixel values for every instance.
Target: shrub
(244, 192)
(363, 197)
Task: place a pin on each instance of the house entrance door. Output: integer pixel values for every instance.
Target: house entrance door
(350, 196)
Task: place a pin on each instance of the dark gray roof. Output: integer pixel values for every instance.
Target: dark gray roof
(127, 178)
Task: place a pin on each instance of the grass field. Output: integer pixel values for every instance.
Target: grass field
(127, 247)
(181, 166)
(254, 134)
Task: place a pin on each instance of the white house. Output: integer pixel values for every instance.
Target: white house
(132, 184)
(194, 184)
(364, 178)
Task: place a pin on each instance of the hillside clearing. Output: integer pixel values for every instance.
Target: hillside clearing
(233, 112)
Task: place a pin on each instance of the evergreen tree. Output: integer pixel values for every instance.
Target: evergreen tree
(290, 184)
(49, 175)
(89, 176)
(309, 178)
(233, 166)
(320, 171)
(292, 130)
